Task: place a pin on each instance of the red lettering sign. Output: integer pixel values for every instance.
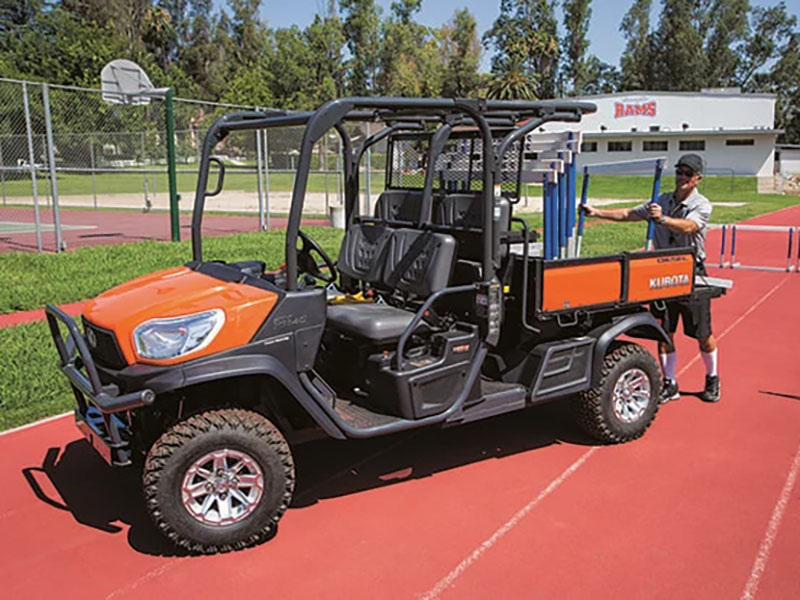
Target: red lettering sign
(630, 109)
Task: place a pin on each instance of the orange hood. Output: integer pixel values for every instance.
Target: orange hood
(176, 292)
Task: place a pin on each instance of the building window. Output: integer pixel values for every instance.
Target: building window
(620, 146)
(655, 146)
(740, 142)
(655, 128)
(692, 145)
(589, 147)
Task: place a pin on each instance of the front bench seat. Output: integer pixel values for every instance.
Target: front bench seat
(405, 260)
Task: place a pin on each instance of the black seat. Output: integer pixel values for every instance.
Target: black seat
(399, 205)
(413, 263)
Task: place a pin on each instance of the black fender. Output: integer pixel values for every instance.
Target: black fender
(638, 325)
(261, 364)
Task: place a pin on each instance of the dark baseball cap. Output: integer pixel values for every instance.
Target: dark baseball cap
(693, 161)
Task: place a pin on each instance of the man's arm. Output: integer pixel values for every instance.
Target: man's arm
(612, 214)
(684, 226)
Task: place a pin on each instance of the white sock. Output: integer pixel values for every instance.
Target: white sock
(668, 364)
(710, 360)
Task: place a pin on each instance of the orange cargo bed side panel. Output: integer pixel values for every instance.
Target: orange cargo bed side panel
(653, 278)
(581, 285)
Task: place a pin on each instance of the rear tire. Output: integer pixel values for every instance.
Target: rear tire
(219, 481)
(625, 401)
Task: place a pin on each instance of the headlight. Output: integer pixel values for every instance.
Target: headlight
(168, 338)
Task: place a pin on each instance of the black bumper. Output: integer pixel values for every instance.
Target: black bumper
(97, 403)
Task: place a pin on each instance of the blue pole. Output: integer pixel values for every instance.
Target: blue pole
(722, 247)
(562, 210)
(651, 226)
(571, 182)
(733, 244)
(582, 215)
(546, 217)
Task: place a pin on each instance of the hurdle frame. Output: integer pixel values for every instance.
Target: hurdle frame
(788, 229)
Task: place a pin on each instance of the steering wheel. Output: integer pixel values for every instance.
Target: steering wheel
(307, 264)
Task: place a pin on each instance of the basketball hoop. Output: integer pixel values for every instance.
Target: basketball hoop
(124, 82)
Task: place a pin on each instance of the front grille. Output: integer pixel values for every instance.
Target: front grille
(105, 351)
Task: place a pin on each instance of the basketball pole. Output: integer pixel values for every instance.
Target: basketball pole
(174, 212)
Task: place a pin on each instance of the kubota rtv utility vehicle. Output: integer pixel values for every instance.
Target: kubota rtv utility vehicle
(207, 374)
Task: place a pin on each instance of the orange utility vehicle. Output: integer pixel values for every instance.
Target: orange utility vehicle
(208, 374)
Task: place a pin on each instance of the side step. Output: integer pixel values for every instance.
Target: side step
(353, 414)
(497, 397)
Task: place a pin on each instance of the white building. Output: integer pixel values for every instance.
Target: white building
(733, 132)
(788, 160)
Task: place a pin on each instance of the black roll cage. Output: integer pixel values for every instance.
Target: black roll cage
(521, 116)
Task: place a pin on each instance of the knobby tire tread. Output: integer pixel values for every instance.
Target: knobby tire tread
(174, 439)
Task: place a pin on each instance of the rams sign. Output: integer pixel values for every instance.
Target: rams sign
(635, 109)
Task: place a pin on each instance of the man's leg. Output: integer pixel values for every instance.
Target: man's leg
(669, 362)
(708, 352)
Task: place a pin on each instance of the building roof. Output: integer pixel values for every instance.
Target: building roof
(683, 132)
(715, 94)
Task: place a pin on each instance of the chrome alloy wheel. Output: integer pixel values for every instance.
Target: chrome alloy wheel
(223, 487)
(632, 394)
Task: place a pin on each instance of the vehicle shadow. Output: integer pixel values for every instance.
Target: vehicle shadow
(328, 469)
(98, 496)
(107, 499)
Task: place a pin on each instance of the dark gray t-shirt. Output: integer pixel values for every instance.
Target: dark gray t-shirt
(696, 208)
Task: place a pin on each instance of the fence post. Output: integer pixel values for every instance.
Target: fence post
(94, 182)
(32, 167)
(51, 158)
(147, 203)
(266, 179)
(2, 172)
(259, 180)
(174, 215)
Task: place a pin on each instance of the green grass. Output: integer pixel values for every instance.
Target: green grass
(32, 387)
(30, 280)
(73, 184)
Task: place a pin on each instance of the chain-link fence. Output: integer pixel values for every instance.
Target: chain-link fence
(75, 170)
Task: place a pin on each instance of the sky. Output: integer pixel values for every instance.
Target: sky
(606, 42)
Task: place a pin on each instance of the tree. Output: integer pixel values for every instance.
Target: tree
(636, 61)
(326, 42)
(461, 52)
(729, 30)
(575, 71)
(601, 78)
(524, 37)
(248, 32)
(361, 26)
(678, 46)
(771, 28)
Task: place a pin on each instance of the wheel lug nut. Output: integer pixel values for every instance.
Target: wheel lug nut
(209, 487)
(223, 495)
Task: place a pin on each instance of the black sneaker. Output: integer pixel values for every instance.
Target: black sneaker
(711, 392)
(669, 390)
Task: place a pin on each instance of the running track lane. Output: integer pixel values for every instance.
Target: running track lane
(685, 510)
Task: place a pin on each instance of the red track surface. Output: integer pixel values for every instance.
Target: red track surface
(521, 506)
(113, 227)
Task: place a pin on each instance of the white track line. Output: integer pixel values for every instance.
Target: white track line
(447, 581)
(35, 423)
(772, 531)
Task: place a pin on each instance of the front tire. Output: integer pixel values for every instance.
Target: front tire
(219, 481)
(625, 401)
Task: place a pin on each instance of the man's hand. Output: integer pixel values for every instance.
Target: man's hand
(654, 212)
(589, 211)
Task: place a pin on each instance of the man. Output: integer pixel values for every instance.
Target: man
(680, 218)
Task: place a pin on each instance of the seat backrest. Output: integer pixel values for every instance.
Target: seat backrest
(399, 205)
(364, 251)
(419, 262)
(461, 215)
